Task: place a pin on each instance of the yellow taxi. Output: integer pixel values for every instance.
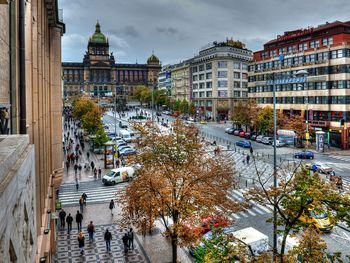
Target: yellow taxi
(203, 122)
(319, 219)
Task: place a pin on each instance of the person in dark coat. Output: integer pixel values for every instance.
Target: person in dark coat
(79, 218)
(111, 206)
(125, 242)
(108, 238)
(131, 239)
(69, 221)
(62, 216)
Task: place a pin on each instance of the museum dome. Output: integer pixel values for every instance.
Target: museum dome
(98, 37)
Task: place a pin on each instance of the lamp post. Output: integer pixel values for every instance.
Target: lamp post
(274, 168)
(304, 73)
(115, 115)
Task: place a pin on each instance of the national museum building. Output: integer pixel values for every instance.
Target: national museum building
(100, 76)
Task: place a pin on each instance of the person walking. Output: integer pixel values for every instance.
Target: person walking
(88, 155)
(75, 169)
(80, 168)
(244, 158)
(131, 239)
(95, 173)
(248, 159)
(91, 231)
(108, 238)
(62, 216)
(69, 221)
(84, 196)
(79, 218)
(251, 150)
(76, 183)
(117, 163)
(123, 162)
(92, 165)
(81, 242)
(81, 204)
(67, 165)
(99, 172)
(125, 242)
(111, 206)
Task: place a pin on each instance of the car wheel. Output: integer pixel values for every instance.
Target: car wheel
(113, 183)
(311, 157)
(296, 156)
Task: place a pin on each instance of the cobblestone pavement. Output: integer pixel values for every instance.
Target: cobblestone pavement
(68, 250)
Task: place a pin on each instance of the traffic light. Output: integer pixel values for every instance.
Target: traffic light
(342, 122)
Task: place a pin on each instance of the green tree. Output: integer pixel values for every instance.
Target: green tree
(265, 119)
(184, 107)
(101, 138)
(143, 94)
(240, 114)
(82, 106)
(177, 105)
(91, 121)
(299, 195)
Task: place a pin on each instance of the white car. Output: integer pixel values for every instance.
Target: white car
(259, 138)
(324, 168)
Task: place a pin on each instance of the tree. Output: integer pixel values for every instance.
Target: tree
(82, 106)
(177, 179)
(177, 105)
(240, 114)
(143, 94)
(296, 195)
(253, 110)
(91, 121)
(264, 121)
(101, 138)
(184, 107)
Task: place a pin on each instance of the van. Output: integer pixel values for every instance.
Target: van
(125, 135)
(118, 175)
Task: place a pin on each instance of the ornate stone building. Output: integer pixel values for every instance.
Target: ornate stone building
(31, 165)
(99, 75)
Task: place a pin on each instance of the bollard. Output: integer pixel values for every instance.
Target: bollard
(246, 183)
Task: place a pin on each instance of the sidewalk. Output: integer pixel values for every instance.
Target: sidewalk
(151, 248)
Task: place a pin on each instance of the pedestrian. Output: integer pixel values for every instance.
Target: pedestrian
(131, 239)
(62, 216)
(123, 162)
(91, 230)
(76, 168)
(80, 168)
(248, 158)
(244, 158)
(81, 242)
(67, 165)
(79, 218)
(81, 204)
(228, 146)
(69, 221)
(111, 206)
(125, 242)
(77, 157)
(92, 165)
(99, 172)
(117, 163)
(95, 173)
(84, 196)
(251, 150)
(76, 183)
(108, 238)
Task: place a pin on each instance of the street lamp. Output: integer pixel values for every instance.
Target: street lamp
(304, 73)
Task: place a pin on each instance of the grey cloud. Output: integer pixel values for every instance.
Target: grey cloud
(169, 31)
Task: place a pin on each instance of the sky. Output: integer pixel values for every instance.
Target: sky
(177, 29)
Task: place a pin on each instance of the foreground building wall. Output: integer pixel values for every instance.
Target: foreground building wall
(35, 104)
(17, 200)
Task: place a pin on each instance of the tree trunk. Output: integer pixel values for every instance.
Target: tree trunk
(174, 248)
(283, 245)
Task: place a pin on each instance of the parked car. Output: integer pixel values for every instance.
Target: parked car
(236, 132)
(242, 134)
(267, 140)
(253, 137)
(259, 138)
(122, 125)
(244, 144)
(127, 151)
(304, 155)
(203, 122)
(230, 131)
(318, 218)
(279, 143)
(247, 135)
(122, 147)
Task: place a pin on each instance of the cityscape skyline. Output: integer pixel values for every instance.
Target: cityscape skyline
(178, 30)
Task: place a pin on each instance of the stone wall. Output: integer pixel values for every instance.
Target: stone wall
(4, 55)
(17, 200)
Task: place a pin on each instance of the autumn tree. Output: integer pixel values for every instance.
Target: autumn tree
(100, 138)
(253, 112)
(177, 180)
(143, 94)
(240, 114)
(184, 107)
(91, 121)
(296, 195)
(264, 121)
(82, 106)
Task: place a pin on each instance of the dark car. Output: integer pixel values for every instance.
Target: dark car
(253, 137)
(304, 155)
(122, 125)
(247, 135)
(244, 144)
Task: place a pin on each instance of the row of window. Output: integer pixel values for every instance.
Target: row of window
(311, 72)
(221, 84)
(326, 41)
(221, 74)
(340, 53)
(321, 85)
(220, 64)
(306, 100)
(221, 94)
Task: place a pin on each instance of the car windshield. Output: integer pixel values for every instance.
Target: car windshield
(319, 215)
(126, 136)
(110, 174)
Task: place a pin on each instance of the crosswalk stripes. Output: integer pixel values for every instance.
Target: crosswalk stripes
(341, 158)
(95, 191)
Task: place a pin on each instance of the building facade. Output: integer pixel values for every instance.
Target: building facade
(180, 74)
(218, 79)
(324, 97)
(100, 76)
(165, 79)
(30, 103)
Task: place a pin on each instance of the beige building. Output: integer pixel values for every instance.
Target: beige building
(180, 74)
(30, 103)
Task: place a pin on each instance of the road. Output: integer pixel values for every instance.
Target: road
(256, 216)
